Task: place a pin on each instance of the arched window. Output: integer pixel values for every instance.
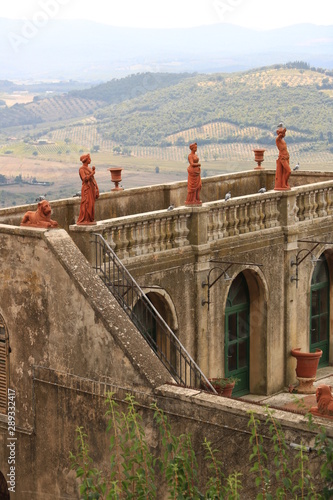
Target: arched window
(237, 340)
(159, 342)
(319, 311)
(4, 366)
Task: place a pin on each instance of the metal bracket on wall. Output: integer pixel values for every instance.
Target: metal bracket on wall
(224, 272)
(298, 259)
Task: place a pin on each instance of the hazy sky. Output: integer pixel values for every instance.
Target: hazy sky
(257, 14)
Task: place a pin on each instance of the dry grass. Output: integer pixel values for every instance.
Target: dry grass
(12, 99)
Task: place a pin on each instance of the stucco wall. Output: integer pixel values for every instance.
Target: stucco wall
(63, 402)
(60, 317)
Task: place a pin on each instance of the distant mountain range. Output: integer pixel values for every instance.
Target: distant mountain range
(88, 51)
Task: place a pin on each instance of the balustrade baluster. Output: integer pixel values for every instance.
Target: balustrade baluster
(157, 235)
(123, 241)
(268, 207)
(300, 200)
(109, 236)
(262, 214)
(276, 211)
(134, 248)
(216, 224)
(184, 229)
(145, 238)
(254, 217)
(210, 225)
(313, 205)
(233, 220)
(222, 223)
(163, 234)
(116, 239)
(322, 203)
(243, 218)
(329, 198)
(139, 238)
(169, 233)
(151, 235)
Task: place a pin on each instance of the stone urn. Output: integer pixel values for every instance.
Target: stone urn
(306, 369)
(116, 177)
(259, 157)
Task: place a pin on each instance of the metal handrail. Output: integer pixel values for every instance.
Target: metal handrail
(145, 317)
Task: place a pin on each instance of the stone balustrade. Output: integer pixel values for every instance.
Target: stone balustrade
(242, 215)
(146, 234)
(314, 201)
(135, 201)
(163, 230)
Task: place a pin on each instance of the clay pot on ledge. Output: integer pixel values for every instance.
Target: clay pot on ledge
(116, 177)
(223, 386)
(259, 157)
(306, 369)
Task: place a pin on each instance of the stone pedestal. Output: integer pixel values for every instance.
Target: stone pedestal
(306, 385)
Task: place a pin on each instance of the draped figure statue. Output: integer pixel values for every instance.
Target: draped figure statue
(282, 163)
(193, 178)
(89, 192)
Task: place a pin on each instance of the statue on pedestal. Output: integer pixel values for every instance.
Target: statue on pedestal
(89, 192)
(282, 163)
(194, 177)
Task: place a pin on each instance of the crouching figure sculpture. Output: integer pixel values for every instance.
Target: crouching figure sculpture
(324, 399)
(41, 217)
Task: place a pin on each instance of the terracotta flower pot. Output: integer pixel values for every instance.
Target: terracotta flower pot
(307, 362)
(224, 389)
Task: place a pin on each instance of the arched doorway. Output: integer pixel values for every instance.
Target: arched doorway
(4, 493)
(319, 310)
(237, 339)
(157, 340)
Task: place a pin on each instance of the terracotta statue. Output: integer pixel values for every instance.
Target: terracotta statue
(324, 399)
(89, 192)
(194, 178)
(282, 163)
(41, 217)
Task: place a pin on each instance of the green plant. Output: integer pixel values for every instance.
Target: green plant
(134, 471)
(324, 448)
(223, 382)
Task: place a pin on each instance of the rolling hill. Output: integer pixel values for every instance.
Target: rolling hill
(158, 115)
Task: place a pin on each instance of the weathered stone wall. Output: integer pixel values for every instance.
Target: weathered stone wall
(63, 401)
(60, 318)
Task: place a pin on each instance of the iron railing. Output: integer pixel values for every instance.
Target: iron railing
(146, 318)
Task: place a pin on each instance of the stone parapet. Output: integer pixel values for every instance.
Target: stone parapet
(111, 205)
(150, 232)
